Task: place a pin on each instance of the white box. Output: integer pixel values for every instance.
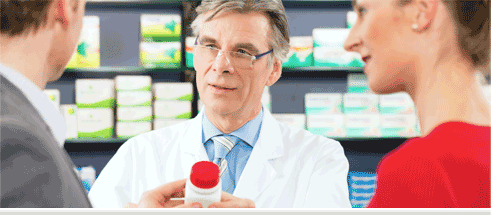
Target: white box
(172, 109)
(131, 129)
(135, 114)
(329, 49)
(360, 103)
(396, 103)
(300, 53)
(94, 93)
(133, 83)
(363, 125)
(134, 98)
(69, 112)
(323, 103)
(398, 125)
(162, 123)
(351, 18)
(95, 122)
(296, 120)
(358, 83)
(173, 91)
(54, 97)
(160, 55)
(266, 99)
(327, 125)
(200, 105)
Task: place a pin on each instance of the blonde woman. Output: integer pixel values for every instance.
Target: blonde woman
(430, 49)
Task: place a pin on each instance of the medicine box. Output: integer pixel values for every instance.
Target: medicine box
(398, 125)
(301, 52)
(94, 93)
(295, 120)
(160, 55)
(95, 122)
(173, 91)
(135, 114)
(69, 113)
(54, 97)
(87, 53)
(160, 28)
(358, 83)
(266, 100)
(190, 41)
(329, 50)
(162, 123)
(133, 83)
(360, 103)
(351, 18)
(323, 103)
(363, 125)
(131, 129)
(396, 103)
(134, 98)
(172, 109)
(331, 125)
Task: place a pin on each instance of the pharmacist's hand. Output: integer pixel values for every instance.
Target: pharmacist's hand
(160, 197)
(230, 201)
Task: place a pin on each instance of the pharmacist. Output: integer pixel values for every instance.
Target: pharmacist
(270, 163)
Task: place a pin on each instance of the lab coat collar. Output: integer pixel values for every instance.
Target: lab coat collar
(259, 172)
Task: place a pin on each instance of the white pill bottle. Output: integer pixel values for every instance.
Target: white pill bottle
(204, 184)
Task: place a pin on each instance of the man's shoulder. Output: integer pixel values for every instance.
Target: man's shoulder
(162, 137)
(296, 136)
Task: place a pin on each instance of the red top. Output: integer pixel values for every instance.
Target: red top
(447, 168)
(205, 174)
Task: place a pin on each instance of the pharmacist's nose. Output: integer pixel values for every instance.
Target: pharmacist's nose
(223, 64)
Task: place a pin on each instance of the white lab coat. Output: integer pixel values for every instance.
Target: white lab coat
(288, 167)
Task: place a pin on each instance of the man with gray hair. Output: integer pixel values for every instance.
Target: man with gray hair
(239, 50)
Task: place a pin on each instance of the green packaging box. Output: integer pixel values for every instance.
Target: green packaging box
(160, 55)
(160, 28)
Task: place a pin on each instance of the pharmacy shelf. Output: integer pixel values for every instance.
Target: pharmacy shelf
(96, 141)
(350, 145)
(69, 75)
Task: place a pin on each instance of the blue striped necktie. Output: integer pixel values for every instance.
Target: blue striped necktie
(223, 146)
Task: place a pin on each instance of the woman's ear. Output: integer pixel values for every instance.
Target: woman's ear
(425, 15)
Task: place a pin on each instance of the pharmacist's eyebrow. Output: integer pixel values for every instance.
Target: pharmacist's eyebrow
(206, 39)
(247, 46)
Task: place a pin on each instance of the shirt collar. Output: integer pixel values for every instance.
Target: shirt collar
(39, 100)
(247, 133)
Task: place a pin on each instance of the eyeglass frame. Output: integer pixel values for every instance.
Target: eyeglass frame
(255, 57)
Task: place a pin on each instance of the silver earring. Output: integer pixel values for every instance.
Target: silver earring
(415, 26)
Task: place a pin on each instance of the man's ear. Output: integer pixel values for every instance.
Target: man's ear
(64, 11)
(276, 74)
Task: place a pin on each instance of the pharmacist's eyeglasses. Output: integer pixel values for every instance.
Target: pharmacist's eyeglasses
(236, 59)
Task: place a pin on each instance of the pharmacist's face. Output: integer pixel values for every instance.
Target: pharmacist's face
(224, 87)
(382, 35)
(66, 37)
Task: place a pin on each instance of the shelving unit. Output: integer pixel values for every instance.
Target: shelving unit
(288, 93)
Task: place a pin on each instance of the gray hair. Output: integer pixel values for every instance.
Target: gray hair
(273, 9)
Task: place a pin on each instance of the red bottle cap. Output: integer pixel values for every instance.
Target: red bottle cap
(205, 174)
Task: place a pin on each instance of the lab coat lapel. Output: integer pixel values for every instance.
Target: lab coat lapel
(258, 172)
(191, 146)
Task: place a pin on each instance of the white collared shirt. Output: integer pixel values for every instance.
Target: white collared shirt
(39, 100)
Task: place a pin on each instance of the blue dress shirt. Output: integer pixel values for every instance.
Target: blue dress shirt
(239, 155)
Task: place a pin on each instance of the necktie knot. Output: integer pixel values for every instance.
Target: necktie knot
(223, 145)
